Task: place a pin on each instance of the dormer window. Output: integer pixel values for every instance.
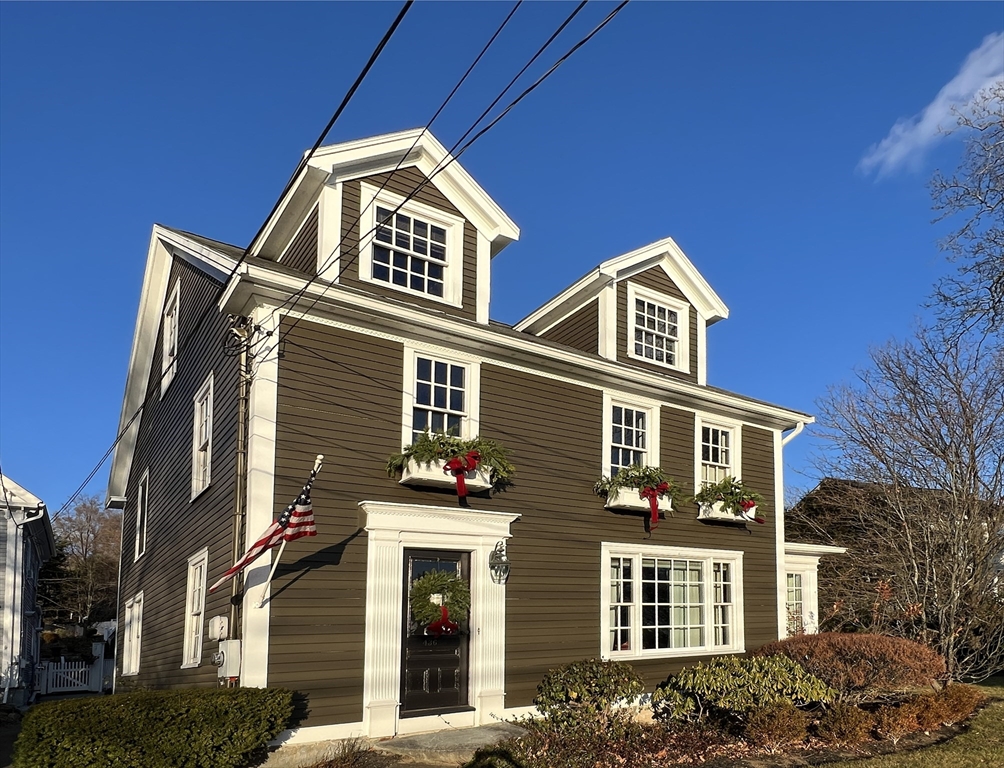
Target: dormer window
(658, 329)
(411, 247)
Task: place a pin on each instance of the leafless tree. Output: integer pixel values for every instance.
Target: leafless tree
(920, 437)
(974, 296)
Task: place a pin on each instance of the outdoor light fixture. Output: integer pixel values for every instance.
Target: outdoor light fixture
(498, 564)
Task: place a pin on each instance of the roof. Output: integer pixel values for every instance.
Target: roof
(29, 513)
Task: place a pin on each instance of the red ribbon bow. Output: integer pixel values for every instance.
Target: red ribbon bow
(652, 493)
(747, 505)
(460, 466)
(443, 625)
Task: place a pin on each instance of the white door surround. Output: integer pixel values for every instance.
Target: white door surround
(390, 529)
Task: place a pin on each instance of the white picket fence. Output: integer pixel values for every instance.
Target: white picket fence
(73, 676)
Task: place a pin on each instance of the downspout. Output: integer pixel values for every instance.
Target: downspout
(798, 430)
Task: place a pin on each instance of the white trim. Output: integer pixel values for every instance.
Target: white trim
(453, 270)
(735, 446)
(607, 300)
(390, 529)
(708, 557)
(329, 222)
(299, 229)
(484, 279)
(132, 635)
(205, 393)
(682, 310)
(142, 514)
(653, 451)
(472, 396)
(807, 568)
(779, 545)
(170, 320)
(192, 656)
(262, 410)
(795, 549)
(13, 572)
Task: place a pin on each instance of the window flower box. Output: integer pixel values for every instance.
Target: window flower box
(717, 513)
(639, 489)
(629, 499)
(728, 501)
(433, 475)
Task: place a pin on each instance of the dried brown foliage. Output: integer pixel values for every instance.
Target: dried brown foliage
(844, 725)
(776, 727)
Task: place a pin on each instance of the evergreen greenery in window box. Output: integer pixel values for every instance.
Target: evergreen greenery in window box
(729, 501)
(641, 489)
(445, 461)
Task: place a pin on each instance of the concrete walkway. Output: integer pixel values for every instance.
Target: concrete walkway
(446, 748)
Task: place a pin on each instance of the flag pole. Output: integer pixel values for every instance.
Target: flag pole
(282, 547)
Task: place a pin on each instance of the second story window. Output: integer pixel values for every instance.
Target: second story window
(142, 514)
(202, 438)
(716, 454)
(169, 337)
(628, 432)
(440, 397)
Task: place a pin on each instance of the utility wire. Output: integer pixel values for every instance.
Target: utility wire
(206, 312)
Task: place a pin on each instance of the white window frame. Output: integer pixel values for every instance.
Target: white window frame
(170, 327)
(806, 567)
(470, 424)
(142, 514)
(202, 448)
(735, 446)
(682, 310)
(800, 603)
(453, 271)
(652, 427)
(195, 609)
(708, 556)
(132, 635)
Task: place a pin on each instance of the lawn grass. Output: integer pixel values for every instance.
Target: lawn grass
(981, 745)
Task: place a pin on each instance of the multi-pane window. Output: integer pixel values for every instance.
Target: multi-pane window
(169, 337)
(202, 438)
(666, 605)
(716, 453)
(195, 606)
(440, 397)
(795, 605)
(628, 433)
(132, 634)
(656, 332)
(409, 252)
(142, 514)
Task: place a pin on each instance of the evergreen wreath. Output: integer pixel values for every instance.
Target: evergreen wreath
(455, 591)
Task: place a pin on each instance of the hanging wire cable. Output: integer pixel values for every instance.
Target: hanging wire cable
(209, 307)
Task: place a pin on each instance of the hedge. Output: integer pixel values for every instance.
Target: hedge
(195, 728)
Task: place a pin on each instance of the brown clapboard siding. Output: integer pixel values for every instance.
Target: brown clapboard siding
(580, 330)
(655, 279)
(403, 182)
(301, 253)
(761, 595)
(179, 527)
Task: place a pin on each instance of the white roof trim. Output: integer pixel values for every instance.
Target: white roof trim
(664, 253)
(16, 497)
(163, 243)
(814, 550)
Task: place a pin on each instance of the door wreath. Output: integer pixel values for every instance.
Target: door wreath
(434, 595)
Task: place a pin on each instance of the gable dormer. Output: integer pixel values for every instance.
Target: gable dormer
(649, 308)
(392, 215)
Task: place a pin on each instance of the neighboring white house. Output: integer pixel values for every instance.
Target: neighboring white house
(25, 543)
(801, 600)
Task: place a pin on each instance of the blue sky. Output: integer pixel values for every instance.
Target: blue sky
(786, 147)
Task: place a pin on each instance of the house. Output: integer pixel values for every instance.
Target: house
(346, 331)
(26, 543)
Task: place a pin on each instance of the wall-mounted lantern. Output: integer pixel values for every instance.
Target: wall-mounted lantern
(498, 564)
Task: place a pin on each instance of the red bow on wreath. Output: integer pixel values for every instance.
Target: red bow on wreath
(443, 625)
(460, 466)
(747, 505)
(652, 493)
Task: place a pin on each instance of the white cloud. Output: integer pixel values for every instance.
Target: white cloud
(911, 137)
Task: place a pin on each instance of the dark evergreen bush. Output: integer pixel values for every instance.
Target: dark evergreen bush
(588, 691)
(199, 728)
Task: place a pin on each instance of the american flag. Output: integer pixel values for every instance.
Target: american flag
(295, 522)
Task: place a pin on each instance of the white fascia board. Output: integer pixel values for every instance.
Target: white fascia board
(665, 253)
(257, 283)
(812, 550)
(16, 497)
(377, 154)
(290, 213)
(151, 305)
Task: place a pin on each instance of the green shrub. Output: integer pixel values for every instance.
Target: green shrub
(958, 701)
(862, 667)
(845, 725)
(776, 726)
(735, 686)
(201, 728)
(588, 690)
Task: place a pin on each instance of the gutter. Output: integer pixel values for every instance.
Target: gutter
(798, 430)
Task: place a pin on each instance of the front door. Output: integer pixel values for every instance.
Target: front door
(434, 663)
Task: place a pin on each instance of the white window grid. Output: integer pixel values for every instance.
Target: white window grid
(628, 437)
(794, 604)
(195, 606)
(202, 438)
(656, 332)
(142, 514)
(409, 252)
(716, 453)
(672, 605)
(132, 635)
(440, 403)
(169, 337)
